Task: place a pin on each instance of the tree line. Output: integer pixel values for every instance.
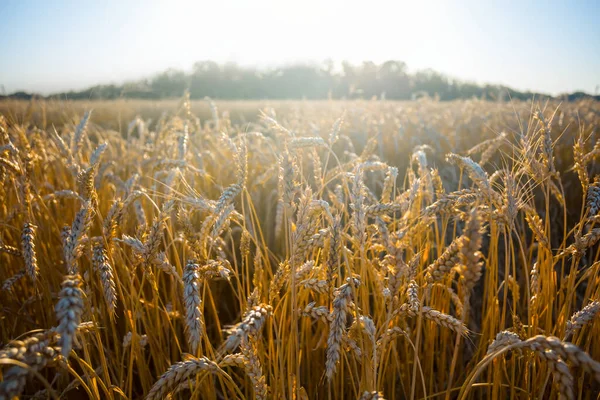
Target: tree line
(389, 80)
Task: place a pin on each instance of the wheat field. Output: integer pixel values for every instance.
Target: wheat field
(300, 250)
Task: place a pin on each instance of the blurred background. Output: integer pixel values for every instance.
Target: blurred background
(311, 49)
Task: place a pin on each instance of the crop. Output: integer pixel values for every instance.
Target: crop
(356, 249)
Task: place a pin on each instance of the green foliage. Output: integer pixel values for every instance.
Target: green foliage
(389, 80)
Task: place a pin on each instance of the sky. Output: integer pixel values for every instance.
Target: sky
(545, 46)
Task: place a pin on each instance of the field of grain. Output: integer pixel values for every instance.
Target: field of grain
(299, 250)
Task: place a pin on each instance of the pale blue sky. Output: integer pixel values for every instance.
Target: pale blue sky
(547, 46)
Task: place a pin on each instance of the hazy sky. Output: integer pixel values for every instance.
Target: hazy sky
(546, 46)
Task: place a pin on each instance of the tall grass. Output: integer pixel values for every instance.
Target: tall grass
(331, 250)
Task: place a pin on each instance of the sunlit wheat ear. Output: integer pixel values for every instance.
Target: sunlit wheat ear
(555, 352)
(72, 245)
(15, 378)
(318, 313)
(136, 244)
(251, 323)
(287, 185)
(537, 227)
(109, 224)
(233, 360)
(337, 199)
(10, 282)
(304, 270)
(13, 251)
(387, 336)
(454, 297)
(68, 312)
(106, 274)
(306, 225)
(127, 202)
(562, 375)
(138, 341)
(487, 148)
(259, 272)
(304, 142)
(503, 339)
(534, 284)
(192, 301)
(413, 296)
(19, 349)
(449, 259)
(474, 170)
(357, 206)
(388, 184)
(315, 285)
(447, 201)
(349, 344)
(80, 131)
(316, 166)
(561, 372)
(28, 249)
(582, 243)
(10, 166)
(579, 164)
(278, 280)
(215, 269)
(268, 117)
(337, 327)
(593, 197)
(333, 256)
(63, 194)
(85, 183)
(221, 221)
(245, 243)
(593, 153)
(545, 130)
(227, 197)
(96, 154)
(384, 232)
(510, 206)
(154, 239)
(4, 130)
(582, 317)
(372, 396)
(248, 347)
(140, 215)
(381, 209)
(335, 131)
(470, 269)
(163, 264)
(179, 373)
(370, 330)
(567, 351)
(413, 265)
(441, 319)
(397, 271)
(182, 142)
